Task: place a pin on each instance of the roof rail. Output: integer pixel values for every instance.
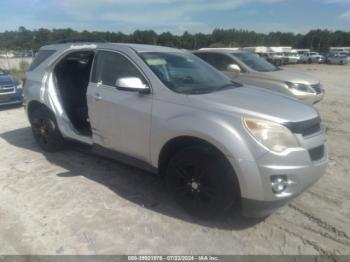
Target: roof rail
(78, 40)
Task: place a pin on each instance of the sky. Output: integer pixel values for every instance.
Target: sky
(176, 16)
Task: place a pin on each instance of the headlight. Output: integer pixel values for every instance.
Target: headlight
(19, 87)
(275, 137)
(300, 87)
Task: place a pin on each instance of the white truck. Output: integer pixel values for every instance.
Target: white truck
(312, 57)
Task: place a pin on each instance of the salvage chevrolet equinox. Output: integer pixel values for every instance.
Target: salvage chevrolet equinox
(216, 143)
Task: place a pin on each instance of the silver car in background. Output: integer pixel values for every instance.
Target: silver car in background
(275, 58)
(337, 59)
(293, 57)
(217, 143)
(248, 68)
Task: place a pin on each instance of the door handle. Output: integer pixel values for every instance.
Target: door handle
(97, 97)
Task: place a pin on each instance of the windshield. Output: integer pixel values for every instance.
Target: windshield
(255, 62)
(185, 73)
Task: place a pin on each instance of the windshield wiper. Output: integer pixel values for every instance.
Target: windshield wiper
(223, 87)
(197, 92)
(213, 89)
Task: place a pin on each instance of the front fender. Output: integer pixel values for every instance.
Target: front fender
(226, 133)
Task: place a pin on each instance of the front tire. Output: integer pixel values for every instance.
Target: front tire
(45, 130)
(202, 182)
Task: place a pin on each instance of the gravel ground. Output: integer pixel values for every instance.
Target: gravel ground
(75, 203)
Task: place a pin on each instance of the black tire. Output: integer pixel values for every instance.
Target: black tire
(310, 61)
(45, 130)
(202, 182)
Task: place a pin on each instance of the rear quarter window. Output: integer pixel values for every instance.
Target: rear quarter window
(40, 58)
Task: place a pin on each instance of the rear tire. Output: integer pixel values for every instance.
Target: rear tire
(45, 130)
(202, 182)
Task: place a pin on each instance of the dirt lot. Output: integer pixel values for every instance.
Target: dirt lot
(73, 203)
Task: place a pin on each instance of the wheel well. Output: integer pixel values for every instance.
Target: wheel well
(176, 144)
(34, 105)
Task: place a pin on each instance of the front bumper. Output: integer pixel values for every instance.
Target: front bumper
(319, 97)
(300, 166)
(310, 98)
(300, 178)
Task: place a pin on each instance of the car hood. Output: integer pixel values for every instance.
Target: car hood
(256, 102)
(7, 80)
(288, 76)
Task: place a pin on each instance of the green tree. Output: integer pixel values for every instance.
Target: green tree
(319, 40)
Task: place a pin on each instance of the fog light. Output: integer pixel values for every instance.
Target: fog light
(279, 184)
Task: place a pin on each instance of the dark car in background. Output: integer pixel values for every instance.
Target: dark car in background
(10, 89)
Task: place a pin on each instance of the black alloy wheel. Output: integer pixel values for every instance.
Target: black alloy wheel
(45, 130)
(202, 182)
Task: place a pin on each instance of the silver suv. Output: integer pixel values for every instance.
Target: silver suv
(214, 141)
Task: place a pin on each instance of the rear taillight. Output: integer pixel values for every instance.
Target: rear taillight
(24, 82)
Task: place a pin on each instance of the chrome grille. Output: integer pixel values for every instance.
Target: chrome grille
(7, 89)
(305, 128)
(312, 129)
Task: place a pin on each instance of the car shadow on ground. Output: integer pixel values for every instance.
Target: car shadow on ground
(137, 186)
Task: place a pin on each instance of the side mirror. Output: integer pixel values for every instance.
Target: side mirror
(234, 69)
(133, 84)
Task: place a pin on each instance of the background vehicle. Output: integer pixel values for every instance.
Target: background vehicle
(337, 59)
(312, 57)
(10, 89)
(165, 110)
(293, 57)
(277, 59)
(249, 68)
(301, 52)
(346, 54)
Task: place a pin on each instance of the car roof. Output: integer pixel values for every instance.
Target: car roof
(136, 47)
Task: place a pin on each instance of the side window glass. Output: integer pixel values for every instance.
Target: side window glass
(110, 66)
(220, 62)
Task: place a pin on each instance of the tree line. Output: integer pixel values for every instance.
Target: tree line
(318, 40)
